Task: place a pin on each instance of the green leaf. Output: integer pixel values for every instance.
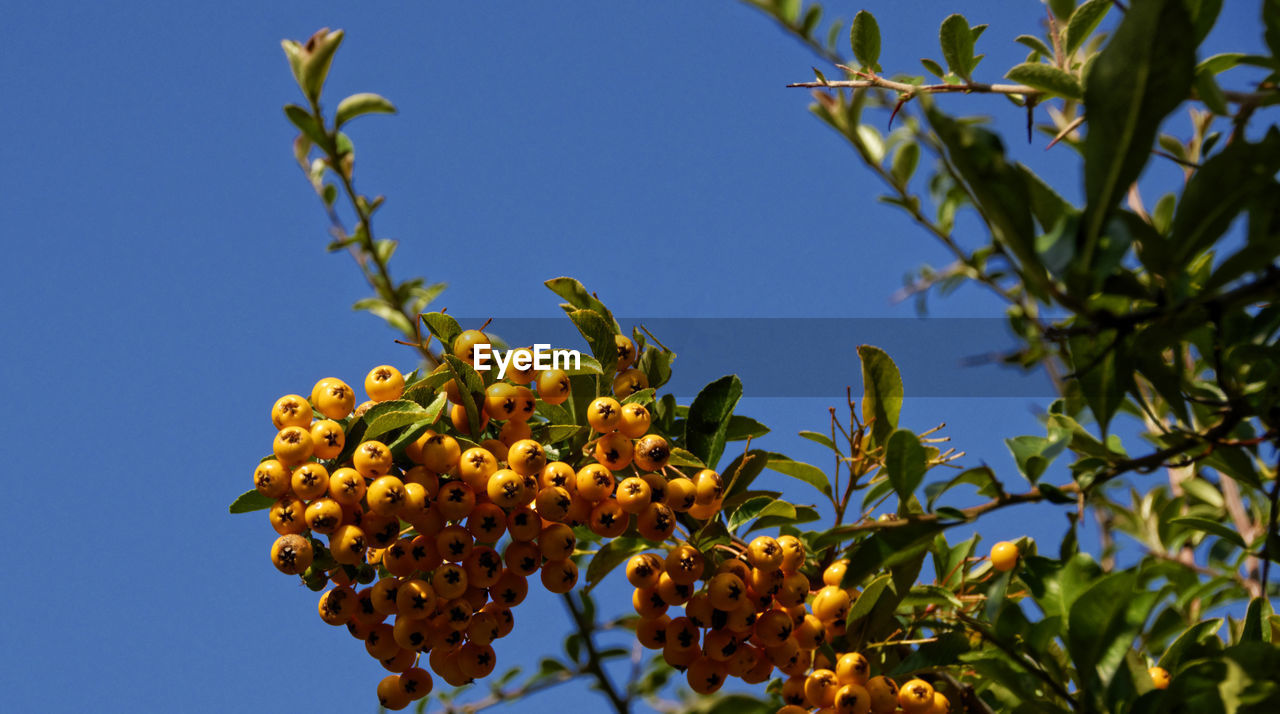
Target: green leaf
(1048, 207)
(935, 655)
(557, 433)
(812, 16)
(1173, 654)
(981, 476)
(954, 514)
(904, 162)
(315, 68)
(1056, 585)
(418, 428)
(881, 392)
(905, 462)
(599, 336)
(1219, 63)
(803, 514)
(931, 595)
(443, 327)
(933, 67)
(1101, 366)
(386, 416)
(342, 144)
(808, 473)
(656, 365)
(306, 123)
(1084, 21)
(1253, 630)
(1211, 94)
(867, 600)
(759, 507)
(1271, 26)
(1208, 526)
(1000, 188)
(363, 103)
(589, 365)
(611, 555)
(1204, 13)
(1205, 211)
(1142, 75)
(467, 377)
(741, 427)
(884, 549)
(682, 457)
(957, 45)
(1062, 9)
(577, 296)
(864, 35)
(1033, 454)
(708, 421)
(1035, 44)
(249, 501)
(642, 397)
(379, 307)
(821, 439)
(424, 390)
(1103, 622)
(1047, 78)
(996, 590)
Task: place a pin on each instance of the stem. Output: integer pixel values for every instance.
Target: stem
(381, 282)
(970, 513)
(1015, 656)
(1267, 555)
(871, 80)
(520, 692)
(593, 665)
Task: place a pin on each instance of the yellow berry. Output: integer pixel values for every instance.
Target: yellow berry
(384, 383)
(1004, 556)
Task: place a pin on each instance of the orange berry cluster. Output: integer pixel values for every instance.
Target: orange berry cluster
(446, 537)
(757, 613)
(847, 689)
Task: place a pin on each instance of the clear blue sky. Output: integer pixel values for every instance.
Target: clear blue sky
(165, 280)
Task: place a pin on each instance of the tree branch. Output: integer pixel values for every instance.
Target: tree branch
(875, 80)
(594, 665)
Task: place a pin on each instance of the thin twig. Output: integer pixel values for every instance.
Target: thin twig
(594, 665)
(872, 80)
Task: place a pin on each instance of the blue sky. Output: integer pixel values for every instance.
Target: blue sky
(166, 280)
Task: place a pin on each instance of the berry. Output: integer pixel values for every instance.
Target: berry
(651, 452)
(1004, 556)
(333, 398)
(629, 382)
(884, 694)
(626, 351)
(464, 344)
(291, 554)
(372, 459)
(291, 410)
(384, 383)
(553, 386)
(327, 438)
(293, 445)
(271, 479)
(852, 699)
(613, 451)
(604, 414)
(391, 693)
(916, 696)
